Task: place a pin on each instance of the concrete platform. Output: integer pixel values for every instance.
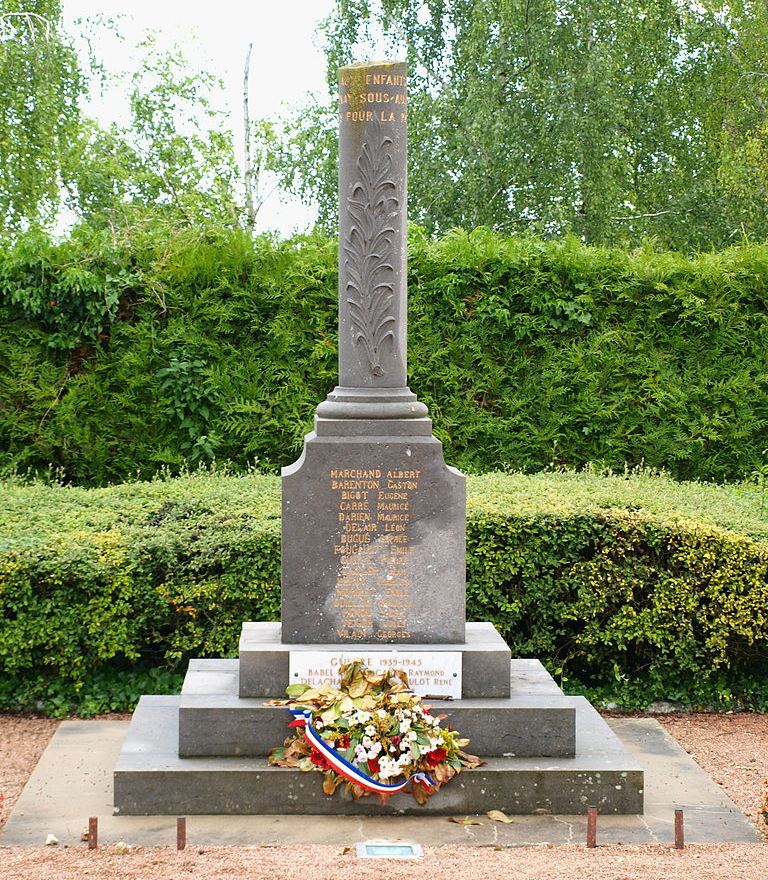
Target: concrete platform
(151, 779)
(264, 659)
(536, 720)
(73, 780)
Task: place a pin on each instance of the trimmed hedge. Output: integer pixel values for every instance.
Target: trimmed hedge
(123, 355)
(632, 587)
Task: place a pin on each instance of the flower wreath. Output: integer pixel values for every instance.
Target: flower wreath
(372, 733)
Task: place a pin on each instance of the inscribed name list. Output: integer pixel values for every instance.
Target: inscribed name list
(373, 548)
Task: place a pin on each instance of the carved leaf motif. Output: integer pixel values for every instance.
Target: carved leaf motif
(368, 248)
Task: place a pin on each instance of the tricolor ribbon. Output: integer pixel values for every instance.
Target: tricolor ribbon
(303, 718)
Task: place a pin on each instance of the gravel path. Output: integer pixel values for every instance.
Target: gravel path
(732, 748)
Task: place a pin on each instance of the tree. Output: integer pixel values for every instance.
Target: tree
(166, 162)
(40, 88)
(603, 118)
(739, 117)
(173, 161)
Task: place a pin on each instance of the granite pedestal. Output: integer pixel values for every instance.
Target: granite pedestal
(546, 753)
(264, 659)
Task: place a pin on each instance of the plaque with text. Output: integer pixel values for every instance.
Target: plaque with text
(433, 674)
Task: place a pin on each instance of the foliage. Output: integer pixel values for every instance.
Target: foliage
(630, 587)
(123, 352)
(40, 86)
(378, 725)
(609, 119)
(173, 160)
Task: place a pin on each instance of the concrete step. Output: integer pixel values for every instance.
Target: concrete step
(536, 720)
(264, 659)
(151, 779)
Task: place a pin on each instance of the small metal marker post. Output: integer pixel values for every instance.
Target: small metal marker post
(93, 832)
(679, 830)
(181, 832)
(591, 827)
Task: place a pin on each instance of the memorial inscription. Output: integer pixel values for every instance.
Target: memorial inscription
(433, 674)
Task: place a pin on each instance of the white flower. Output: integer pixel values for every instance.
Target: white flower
(367, 742)
(412, 736)
(393, 748)
(388, 768)
(382, 713)
(370, 730)
(405, 725)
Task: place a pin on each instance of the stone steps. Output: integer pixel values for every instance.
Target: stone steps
(264, 659)
(536, 720)
(151, 779)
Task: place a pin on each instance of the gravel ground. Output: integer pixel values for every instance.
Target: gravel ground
(732, 748)
(747, 862)
(22, 741)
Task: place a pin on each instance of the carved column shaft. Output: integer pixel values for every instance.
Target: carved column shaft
(372, 246)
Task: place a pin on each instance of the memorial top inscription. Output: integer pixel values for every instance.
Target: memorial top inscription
(372, 225)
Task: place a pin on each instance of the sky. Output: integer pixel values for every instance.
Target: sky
(285, 63)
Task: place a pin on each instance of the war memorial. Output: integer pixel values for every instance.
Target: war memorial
(373, 567)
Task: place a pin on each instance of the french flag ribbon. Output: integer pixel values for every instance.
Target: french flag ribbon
(303, 718)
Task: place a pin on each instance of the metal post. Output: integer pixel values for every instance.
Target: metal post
(93, 832)
(181, 832)
(591, 827)
(679, 830)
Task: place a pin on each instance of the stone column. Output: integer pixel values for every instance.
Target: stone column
(373, 527)
(373, 132)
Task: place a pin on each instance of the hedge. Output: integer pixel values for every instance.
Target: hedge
(125, 354)
(628, 587)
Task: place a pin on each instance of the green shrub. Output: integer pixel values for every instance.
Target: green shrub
(120, 357)
(630, 587)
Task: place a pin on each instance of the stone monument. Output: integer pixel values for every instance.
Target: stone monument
(373, 549)
(373, 520)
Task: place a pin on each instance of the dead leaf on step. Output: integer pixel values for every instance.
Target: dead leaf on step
(345, 849)
(467, 820)
(498, 816)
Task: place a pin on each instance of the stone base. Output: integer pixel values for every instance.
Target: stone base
(151, 779)
(373, 536)
(264, 659)
(536, 720)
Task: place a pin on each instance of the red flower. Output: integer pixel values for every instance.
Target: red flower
(319, 760)
(373, 765)
(342, 742)
(434, 757)
(395, 740)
